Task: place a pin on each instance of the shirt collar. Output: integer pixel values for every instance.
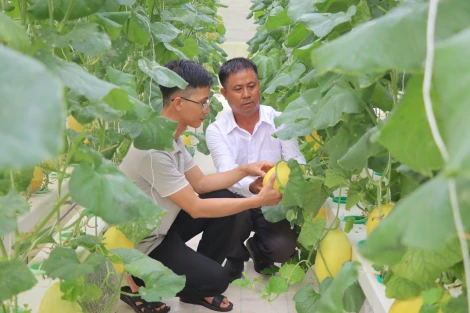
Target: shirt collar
(263, 118)
(176, 144)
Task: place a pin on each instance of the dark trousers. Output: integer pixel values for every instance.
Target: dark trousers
(275, 242)
(205, 277)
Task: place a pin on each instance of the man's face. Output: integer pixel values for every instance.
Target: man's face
(242, 92)
(193, 113)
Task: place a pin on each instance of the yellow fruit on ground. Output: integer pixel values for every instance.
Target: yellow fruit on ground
(320, 214)
(36, 182)
(115, 239)
(72, 123)
(335, 249)
(51, 302)
(186, 140)
(374, 219)
(313, 137)
(282, 174)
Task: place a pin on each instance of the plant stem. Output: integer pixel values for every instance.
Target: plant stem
(50, 4)
(372, 115)
(116, 294)
(427, 83)
(102, 134)
(66, 16)
(394, 83)
(23, 11)
(3, 249)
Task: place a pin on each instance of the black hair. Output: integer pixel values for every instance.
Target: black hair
(235, 65)
(193, 73)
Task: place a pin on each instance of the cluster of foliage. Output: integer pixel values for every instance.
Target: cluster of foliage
(382, 97)
(100, 62)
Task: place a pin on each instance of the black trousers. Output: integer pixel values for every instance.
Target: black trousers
(275, 242)
(205, 277)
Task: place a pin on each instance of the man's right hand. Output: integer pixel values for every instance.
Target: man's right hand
(268, 195)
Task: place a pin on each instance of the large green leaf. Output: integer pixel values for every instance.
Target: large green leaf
(306, 299)
(274, 213)
(452, 76)
(407, 135)
(423, 220)
(137, 229)
(12, 204)
(315, 196)
(15, 277)
(353, 298)
(277, 17)
(321, 24)
(288, 76)
(109, 194)
(83, 83)
(162, 75)
(13, 34)
(139, 28)
(297, 8)
(151, 132)
(292, 273)
(401, 288)
(311, 233)
(89, 39)
(63, 263)
(124, 80)
(276, 285)
(294, 190)
(113, 22)
(80, 8)
(395, 41)
(164, 31)
(357, 155)
(32, 114)
(160, 282)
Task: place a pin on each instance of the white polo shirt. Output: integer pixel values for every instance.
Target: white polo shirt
(159, 174)
(232, 146)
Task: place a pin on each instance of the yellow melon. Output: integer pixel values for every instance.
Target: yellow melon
(335, 249)
(313, 137)
(282, 174)
(115, 239)
(320, 214)
(51, 302)
(36, 182)
(374, 218)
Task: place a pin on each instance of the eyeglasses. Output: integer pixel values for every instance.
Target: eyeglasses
(205, 105)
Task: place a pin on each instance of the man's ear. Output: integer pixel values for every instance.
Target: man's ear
(223, 92)
(177, 104)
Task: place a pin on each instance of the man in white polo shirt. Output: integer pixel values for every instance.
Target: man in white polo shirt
(239, 137)
(173, 180)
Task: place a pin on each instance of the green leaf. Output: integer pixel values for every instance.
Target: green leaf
(267, 65)
(139, 28)
(113, 22)
(306, 299)
(357, 155)
(12, 204)
(353, 198)
(321, 24)
(297, 35)
(362, 13)
(422, 220)
(288, 76)
(151, 132)
(89, 242)
(274, 213)
(202, 144)
(353, 298)
(294, 190)
(387, 46)
(187, 50)
(315, 196)
(331, 300)
(456, 305)
(83, 83)
(137, 229)
(15, 277)
(109, 194)
(160, 282)
(89, 39)
(63, 263)
(40, 107)
(162, 75)
(80, 8)
(164, 31)
(336, 177)
(13, 33)
(292, 273)
(451, 78)
(311, 233)
(297, 8)
(276, 285)
(407, 135)
(426, 265)
(124, 80)
(401, 288)
(277, 17)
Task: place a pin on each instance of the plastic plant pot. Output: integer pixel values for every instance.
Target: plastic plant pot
(380, 279)
(357, 219)
(340, 199)
(361, 243)
(378, 173)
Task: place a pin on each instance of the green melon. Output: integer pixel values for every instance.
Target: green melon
(109, 289)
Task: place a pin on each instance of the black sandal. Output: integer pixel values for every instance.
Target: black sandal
(144, 307)
(215, 305)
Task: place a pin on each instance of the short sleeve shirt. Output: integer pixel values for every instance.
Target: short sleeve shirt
(159, 174)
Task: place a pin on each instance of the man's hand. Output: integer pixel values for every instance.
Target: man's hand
(258, 168)
(268, 195)
(256, 186)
